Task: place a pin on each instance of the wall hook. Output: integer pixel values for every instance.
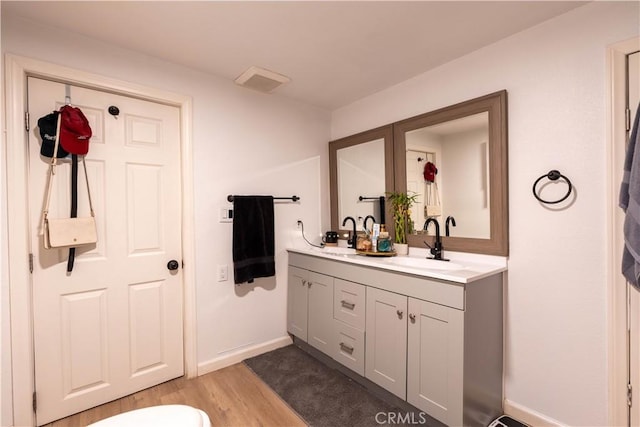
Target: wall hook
(114, 111)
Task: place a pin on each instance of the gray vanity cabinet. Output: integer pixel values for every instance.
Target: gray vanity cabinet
(310, 307)
(297, 302)
(415, 351)
(435, 360)
(434, 343)
(386, 343)
(349, 323)
(320, 303)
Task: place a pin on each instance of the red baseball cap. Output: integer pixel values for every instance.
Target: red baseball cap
(75, 131)
(430, 171)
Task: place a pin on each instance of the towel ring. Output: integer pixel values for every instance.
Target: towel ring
(553, 175)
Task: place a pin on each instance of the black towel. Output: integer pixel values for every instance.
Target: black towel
(253, 238)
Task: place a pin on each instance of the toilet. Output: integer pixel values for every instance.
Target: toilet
(158, 416)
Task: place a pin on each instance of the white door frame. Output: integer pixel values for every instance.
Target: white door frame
(17, 69)
(617, 317)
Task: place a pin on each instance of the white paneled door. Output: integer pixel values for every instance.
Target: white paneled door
(113, 325)
(416, 183)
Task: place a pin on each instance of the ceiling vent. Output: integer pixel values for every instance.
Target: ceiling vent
(262, 80)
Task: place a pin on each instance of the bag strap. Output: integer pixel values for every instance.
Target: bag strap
(436, 194)
(52, 172)
(433, 196)
(86, 178)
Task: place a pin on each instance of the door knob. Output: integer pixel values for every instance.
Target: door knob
(173, 265)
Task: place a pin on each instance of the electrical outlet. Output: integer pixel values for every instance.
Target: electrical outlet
(300, 224)
(223, 273)
(226, 214)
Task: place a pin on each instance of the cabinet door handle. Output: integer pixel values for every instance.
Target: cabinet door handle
(412, 317)
(347, 304)
(304, 283)
(400, 313)
(346, 348)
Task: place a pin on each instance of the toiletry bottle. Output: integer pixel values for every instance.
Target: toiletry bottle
(374, 237)
(384, 242)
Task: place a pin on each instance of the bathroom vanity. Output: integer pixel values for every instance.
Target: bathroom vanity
(430, 332)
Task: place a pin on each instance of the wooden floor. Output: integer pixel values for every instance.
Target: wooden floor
(233, 396)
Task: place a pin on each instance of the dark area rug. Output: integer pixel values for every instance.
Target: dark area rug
(325, 397)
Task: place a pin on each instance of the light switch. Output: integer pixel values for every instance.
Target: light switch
(226, 214)
(223, 273)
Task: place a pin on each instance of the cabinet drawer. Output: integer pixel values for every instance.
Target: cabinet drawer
(349, 303)
(349, 347)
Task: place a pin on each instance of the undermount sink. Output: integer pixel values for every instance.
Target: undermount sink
(425, 263)
(336, 250)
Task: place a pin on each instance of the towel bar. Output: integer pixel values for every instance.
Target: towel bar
(292, 198)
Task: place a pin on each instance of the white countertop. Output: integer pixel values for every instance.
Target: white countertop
(462, 267)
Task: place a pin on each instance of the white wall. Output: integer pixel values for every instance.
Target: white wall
(464, 182)
(244, 142)
(556, 337)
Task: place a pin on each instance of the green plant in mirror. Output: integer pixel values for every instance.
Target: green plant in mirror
(401, 208)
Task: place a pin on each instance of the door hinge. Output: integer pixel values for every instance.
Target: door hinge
(30, 263)
(629, 395)
(35, 402)
(627, 120)
(26, 121)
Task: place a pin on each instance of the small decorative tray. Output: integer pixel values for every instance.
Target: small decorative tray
(367, 253)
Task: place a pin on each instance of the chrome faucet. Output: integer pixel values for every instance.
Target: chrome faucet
(352, 239)
(451, 220)
(365, 220)
(436, 249)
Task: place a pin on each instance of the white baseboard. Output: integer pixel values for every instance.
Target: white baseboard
(529, 416)
(242, 354)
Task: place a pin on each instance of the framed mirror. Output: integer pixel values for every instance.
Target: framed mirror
(455, 160)
(361, 172)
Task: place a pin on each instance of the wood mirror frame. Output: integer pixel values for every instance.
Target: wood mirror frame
(496, 105)
(385, 133)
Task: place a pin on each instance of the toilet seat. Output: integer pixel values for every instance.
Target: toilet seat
(158, 416)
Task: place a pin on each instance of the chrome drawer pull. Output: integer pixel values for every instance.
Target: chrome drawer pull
(347, 304)
(346, 348)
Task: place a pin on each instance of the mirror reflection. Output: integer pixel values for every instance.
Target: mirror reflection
(360, 174)
(361, 180)
(455, 159)
(447, 166)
